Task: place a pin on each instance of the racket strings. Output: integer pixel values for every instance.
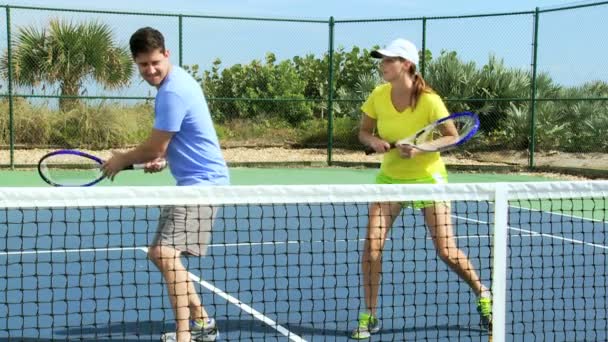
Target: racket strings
(70, 169)
(434, 137)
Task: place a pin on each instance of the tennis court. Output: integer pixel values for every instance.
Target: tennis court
(284, 263)
(268, 176)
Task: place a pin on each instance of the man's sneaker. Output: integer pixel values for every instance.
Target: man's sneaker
(368, 325)
(484, 307)
(200, 331)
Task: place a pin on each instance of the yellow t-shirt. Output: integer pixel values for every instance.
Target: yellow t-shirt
(393, 125)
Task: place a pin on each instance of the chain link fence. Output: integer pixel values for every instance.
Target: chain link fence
(284, 90)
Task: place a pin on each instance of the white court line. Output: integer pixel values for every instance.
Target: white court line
(273, 243)
(51, 251)
(581, 242)
(559, 214)
(533, 233)
(114, 249)
(248, 309)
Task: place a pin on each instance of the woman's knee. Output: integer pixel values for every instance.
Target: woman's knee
(375, 255)
(374, 249)
(449, 255)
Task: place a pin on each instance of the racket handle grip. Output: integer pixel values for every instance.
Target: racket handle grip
(369, 150)
(162, 164)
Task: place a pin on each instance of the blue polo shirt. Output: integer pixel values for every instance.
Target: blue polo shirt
(194, 153)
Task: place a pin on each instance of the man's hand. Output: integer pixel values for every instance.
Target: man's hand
(156, 165)
(114, 165)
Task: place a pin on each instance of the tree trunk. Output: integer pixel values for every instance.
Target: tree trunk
(69, 88)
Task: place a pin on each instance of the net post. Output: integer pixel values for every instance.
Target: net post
(499, 262)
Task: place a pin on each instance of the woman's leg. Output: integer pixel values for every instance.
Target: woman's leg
(381, 218)
(439, 222)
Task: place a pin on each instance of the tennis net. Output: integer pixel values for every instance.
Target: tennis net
(284, 262)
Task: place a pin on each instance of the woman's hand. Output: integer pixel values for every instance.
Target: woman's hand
(407, 151)
(367, 137)
(379, 145)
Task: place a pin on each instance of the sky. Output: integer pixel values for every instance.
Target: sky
(310, 9)
(570, 54)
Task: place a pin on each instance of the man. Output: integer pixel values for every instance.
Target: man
(183, 132)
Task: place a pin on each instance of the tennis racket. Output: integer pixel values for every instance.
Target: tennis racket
(432, 138)
(73, 168)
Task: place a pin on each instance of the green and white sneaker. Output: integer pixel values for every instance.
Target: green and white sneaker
(484, 307)
(200, 330)
(368, 325)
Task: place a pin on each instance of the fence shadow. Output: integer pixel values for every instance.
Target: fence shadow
(239, 328)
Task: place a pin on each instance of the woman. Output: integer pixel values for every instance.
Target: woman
(397, 109)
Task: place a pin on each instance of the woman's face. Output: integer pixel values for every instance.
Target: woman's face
(393, 68)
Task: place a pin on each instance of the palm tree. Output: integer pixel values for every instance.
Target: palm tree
(67, 54)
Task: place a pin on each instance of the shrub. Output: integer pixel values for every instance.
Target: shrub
(345, 133)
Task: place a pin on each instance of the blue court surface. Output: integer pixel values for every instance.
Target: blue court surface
(292, 272)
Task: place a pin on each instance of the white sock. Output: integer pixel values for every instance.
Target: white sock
(485, 293)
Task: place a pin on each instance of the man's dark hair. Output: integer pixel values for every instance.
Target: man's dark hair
(145, 40)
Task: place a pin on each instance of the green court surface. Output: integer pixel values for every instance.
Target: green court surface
(264, 176)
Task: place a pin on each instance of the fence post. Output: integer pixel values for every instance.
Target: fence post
(533, 92)
(423, 59)
(330, 93)
(11, 122)
(181, 40)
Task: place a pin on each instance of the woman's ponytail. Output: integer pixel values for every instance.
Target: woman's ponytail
(419, 86)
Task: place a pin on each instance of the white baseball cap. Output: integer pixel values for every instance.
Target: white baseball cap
(398, 48)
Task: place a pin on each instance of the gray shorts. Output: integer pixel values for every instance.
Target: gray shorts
(187, 229)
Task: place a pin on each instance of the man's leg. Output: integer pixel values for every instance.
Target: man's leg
(179, 287)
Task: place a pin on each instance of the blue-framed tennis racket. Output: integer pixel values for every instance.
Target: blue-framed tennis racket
(433, 138)
(73, 168)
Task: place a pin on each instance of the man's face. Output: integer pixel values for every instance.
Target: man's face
(153, 66)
